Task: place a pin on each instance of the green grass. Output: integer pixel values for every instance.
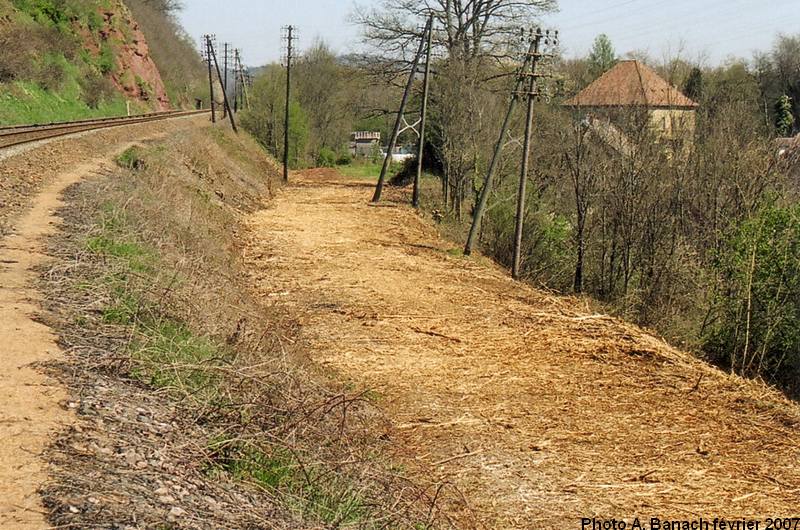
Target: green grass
(170, 355)
(309, 493)
(167, 352)
(26, 102)
(365, 170)
(31, 99)
(131, 159)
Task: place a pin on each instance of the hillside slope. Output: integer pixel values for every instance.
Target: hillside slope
(69, 59)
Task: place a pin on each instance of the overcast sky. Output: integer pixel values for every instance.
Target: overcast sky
(709, 29)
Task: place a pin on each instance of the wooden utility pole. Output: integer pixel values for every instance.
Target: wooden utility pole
(527, 85)
(224, 79)
(526, 151)
(210, 79)
(224, 92)
(236, 80)
(424, 118)
(286, 123)
(396, 131)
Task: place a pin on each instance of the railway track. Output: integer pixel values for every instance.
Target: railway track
(23, 134)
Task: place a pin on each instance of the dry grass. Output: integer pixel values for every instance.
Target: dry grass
(533, 407)
(196, 408)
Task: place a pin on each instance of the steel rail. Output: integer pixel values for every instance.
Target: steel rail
(24, 134)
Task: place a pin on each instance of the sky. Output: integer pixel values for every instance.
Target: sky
(709, 31)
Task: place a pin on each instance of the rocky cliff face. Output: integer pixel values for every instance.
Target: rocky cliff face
(133, 71)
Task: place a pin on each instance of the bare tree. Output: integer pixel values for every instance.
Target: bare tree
(583, 173)
(470, 28)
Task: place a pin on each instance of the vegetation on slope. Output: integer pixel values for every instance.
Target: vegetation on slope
(174, 51)
(69, 59)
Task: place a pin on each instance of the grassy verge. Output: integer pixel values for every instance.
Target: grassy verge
(366, 170)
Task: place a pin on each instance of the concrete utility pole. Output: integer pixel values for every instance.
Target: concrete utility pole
(396, 131)
(224, 91)
(289, 56)
(498, 149)
(207, 39)
(424, 118)
(526, 151)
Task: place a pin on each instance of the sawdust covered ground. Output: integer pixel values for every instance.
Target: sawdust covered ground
(535, 410)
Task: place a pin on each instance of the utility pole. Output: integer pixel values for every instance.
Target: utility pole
(224, 91)
(207, 40)
(245, 88)
(488, 182)
(289, 56)
(224, 79)
(396, 131)
(424, 118)
(236, 80)
(526, 151)
(527, 80)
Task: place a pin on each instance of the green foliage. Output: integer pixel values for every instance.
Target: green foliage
(757, 326)
(344, 159)
(602, 56)
(298, 134)
(265, 120)
(44, 11)
(326, 157)
(107, 60)
(131, 159)
(693, 87)
(44, 45)
(547, 243)
(784, 119)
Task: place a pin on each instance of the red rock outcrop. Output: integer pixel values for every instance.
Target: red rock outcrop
(135, 73)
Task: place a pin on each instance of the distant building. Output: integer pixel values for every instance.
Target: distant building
(634, 85)
(364, 143)
(400, 153)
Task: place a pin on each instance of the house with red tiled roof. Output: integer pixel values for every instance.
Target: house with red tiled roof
(634, 85)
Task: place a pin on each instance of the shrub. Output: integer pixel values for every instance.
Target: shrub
(406, 175)
(755, 329)
(326, 157)
(345, 159)
(107, 61)
(131, 159)
(95, 89)
(51, 74)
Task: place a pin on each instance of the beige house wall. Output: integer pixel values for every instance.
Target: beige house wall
(674, 123)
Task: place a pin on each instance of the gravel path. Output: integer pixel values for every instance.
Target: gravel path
(31, 404)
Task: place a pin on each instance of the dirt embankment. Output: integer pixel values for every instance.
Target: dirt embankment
(33, 405)
(536, 410)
